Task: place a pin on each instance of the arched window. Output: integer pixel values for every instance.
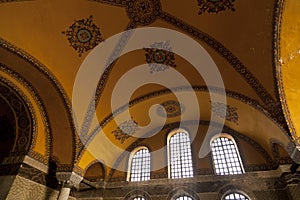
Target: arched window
(226, 156)
(138, 198)
(139, 167)
(235, 196)
(184, 198)
(180, 156)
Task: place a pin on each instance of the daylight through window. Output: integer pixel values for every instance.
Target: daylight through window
(184, 198)
(140, 166)
(226, 157)
(138, 198)
(235, 196)
(180, 156)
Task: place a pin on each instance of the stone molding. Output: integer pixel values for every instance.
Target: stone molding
(69, 179)
(36, 164)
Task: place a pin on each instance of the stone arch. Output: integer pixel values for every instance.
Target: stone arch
(53, 96)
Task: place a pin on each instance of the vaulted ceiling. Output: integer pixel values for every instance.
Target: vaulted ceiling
(45, 44)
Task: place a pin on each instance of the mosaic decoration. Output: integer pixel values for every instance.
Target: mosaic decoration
(143, 11)
(125, 130)
(42, 158)
(83, 35)
(215, 6)
(172, 108)
(270, 164)
(225, 111)
(156, 55)
(24, 130)
(23, 188)
(284, 113)
(37, 65)
(268, 101)
(229, 93)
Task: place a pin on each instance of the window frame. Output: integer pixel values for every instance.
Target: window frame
(170, 135)
(133, 152)
(184, 195)
(138, 196)
(226, 135)
(235, 191)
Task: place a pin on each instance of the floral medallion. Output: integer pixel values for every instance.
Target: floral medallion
(225, 111)
(143, 11)
(125, 130)
(83, 35)
(155, 55)
(172, 108)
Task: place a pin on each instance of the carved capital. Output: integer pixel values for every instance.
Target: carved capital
(69, 179)
(294, 151)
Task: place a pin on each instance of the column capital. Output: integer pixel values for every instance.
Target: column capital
(69, 179)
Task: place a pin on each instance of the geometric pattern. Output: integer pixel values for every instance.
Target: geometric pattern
(83, 35)
(138, 198)
(143, 12)
(235, 196)
(140, 166)
(22, 134)
(226, 157)
(180, 156)
(172, 108)
(161, 53)
(225, 111)
(26, 189)
(184, 198)
(215, 6)
(125, 130)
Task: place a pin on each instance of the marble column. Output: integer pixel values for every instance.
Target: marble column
(64, 190)
(67, 180)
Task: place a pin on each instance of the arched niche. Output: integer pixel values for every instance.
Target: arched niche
(16, 125)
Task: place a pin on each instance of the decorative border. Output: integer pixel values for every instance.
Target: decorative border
(236, 135)
(215, 6)
(42, 109)
(273, 106)
(278, 12)
(103, 80)
(52, 79)
(26, 109)
(120, 3)
(234, 95)
(225, 53)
